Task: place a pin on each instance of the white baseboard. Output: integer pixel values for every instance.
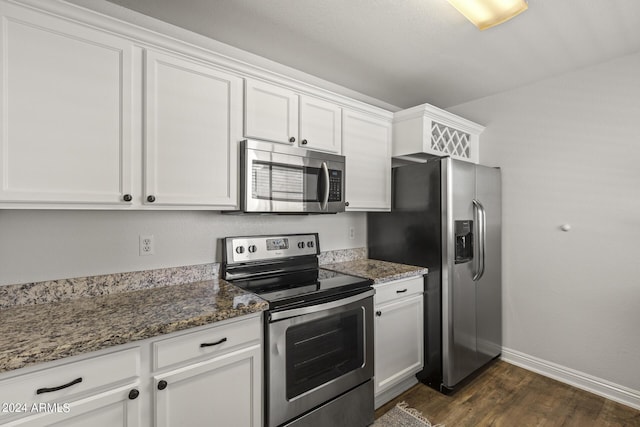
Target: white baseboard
(578, 379)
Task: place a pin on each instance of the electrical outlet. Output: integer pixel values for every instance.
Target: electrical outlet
(146, 245)
(352, 233)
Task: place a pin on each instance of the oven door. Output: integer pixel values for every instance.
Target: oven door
(314, 354)
(290, 180)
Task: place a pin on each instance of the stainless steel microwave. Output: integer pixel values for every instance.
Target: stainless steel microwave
(277, 178)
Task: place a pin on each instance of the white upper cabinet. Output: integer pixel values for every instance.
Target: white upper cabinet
(320, 125)
(97, 113)
(66, 112)
(270, 112)
(193, 125)
(276, 114)
(366, 144)
(426, 131)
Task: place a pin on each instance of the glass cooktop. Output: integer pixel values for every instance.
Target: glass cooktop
(290, 288)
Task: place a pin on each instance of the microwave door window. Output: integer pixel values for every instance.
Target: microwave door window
(271, 181)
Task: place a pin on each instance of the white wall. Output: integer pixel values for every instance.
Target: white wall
(46, 245)
(569, 149)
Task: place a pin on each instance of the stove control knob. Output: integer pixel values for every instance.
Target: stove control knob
(310, 244)
(240, 250)
(252, 248)
(301, 245)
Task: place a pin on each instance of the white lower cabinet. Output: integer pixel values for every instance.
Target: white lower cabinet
(398, 328)
(100, 391)
(117, 407)
(210, 375)
(224, 391)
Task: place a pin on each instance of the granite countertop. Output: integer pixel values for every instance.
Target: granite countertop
(377, 271)
(45, 332)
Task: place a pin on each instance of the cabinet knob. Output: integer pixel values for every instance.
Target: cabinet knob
(133, 394)
(162, 384)
(151, 199)
(292, 139)
(127, 197)
(304, 142)
(346, 204)
(378, 313)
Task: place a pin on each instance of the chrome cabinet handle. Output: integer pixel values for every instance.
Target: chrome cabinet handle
(481, 222)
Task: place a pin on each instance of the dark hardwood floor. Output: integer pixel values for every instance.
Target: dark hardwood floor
(509, 396)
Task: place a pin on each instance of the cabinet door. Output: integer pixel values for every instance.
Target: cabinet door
(366, 144)
(320, 125)
(65, 113)
(224, 391)
(113, 408)
(398, 341)
(271, 112)
(193, 125)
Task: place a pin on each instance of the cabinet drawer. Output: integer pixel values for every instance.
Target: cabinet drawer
(398, 289)
(83, 376)
(214, 340)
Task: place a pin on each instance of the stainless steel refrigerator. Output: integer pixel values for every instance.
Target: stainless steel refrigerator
(446, 215)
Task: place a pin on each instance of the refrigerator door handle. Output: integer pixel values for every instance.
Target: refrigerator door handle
(481, 222)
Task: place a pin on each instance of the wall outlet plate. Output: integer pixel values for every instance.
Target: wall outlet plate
(146, 246)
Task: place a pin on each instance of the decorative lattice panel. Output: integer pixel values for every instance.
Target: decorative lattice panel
(448, 140)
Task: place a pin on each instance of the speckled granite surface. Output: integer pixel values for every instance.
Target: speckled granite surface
(342, 255)
(81, 287)
(31, 334)
(378, 271)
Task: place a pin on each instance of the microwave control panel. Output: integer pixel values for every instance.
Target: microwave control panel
(335, 185)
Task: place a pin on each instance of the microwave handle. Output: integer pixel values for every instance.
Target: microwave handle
(324, 197)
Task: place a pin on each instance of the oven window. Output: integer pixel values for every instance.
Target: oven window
(323, 349)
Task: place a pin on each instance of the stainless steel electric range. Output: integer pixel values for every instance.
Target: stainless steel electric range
(318, 359)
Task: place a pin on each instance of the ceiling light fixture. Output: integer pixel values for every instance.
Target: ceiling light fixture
(489, 13)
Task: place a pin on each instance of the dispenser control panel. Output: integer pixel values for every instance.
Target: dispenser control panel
(464, 241)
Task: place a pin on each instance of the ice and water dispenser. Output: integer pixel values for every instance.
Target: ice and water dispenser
(464, 241)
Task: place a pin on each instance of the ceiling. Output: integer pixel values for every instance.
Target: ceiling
(408, 52)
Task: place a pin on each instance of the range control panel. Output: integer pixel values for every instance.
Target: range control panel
(257, 248)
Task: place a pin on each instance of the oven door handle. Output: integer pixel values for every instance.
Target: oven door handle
(286, 314)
